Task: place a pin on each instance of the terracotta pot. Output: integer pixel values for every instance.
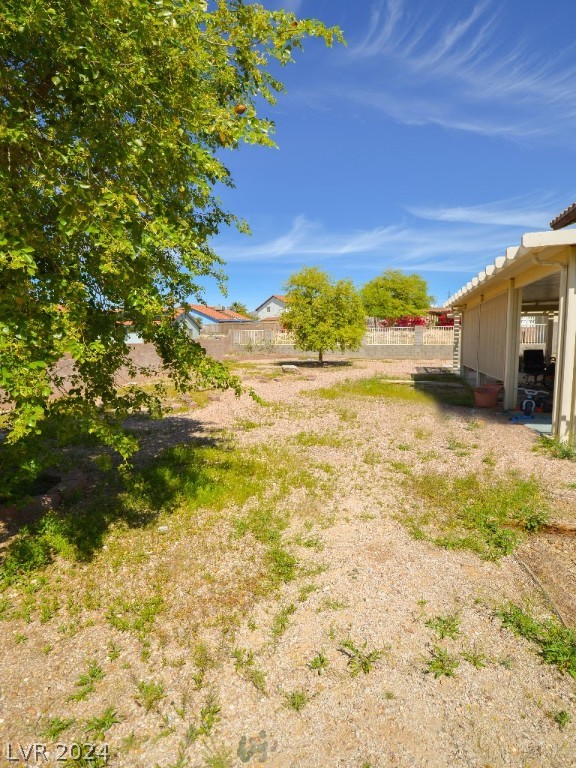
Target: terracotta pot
(486, 397)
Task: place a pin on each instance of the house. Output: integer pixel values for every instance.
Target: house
(192, 325)
(215, 314)
(272, 308)
(536, 277)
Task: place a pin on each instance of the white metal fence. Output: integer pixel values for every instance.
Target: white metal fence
(390, 336)
(439, 335)
(374, 336)
(533, 334)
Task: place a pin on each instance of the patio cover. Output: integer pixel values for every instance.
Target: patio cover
(537, 275)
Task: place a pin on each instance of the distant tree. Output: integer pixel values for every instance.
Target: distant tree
(237, 306)
(323, 315)
(395, 294)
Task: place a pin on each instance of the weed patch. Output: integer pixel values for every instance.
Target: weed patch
(282, 620)
(445, 626)
(375, 386)
(554, 448)
(441, 663)
(480, 513)
(149, 695)
(245, 666)
(557, 644)
(296, 700)
(319, 663)
(359, 658)
(325, 439)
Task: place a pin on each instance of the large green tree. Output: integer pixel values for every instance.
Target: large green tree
(114, 118)
(395, 294)
(323, 314)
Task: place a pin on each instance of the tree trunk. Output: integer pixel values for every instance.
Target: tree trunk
(320, 357)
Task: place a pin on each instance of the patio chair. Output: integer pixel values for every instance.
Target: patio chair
(533, 363)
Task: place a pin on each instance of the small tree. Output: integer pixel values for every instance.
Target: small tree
(395, 294)
(323, 314)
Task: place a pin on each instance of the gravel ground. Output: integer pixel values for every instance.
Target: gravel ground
(372, 584)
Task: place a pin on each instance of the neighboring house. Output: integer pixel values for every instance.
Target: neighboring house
(271, 308)
(192, 325)
(216, 315)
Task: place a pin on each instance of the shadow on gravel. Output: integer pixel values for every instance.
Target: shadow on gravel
(178, 458)
(315, 364)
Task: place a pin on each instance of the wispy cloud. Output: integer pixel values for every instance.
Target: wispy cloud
(458, 69)
(527, 212)
(462, 239)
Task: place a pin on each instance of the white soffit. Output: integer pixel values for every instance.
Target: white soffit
(530, 241)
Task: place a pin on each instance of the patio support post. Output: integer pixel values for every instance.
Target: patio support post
(512, 345)
(564, 384)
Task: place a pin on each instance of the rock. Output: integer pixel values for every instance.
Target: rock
(162, 529)
(290, 368)
(214, 398)
(75, 480)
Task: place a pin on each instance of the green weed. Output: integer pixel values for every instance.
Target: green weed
(149, 695)
(113, 651)
(372, 387)
(245, 666)
(319, 663)
(561, 718)
(556, 643)
(475, 657)
(360, 659)
(296, 700)
(554, 448)
(372, 458)
(97, 726)
(204, 661)
(136, 616)
(442, 663)
(310, 542)
(459, 449)
(483, 514)
(305, 591)
(209, 715)
(445, 626)
(55, 727)
(281, 621)
(218, 757)
(313, 439)
(86, 681)
(331, 605)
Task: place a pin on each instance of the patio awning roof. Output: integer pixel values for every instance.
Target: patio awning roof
(539, 256)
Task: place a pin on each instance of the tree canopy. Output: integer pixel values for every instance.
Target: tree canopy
(238, 306)
(395, 294)
(323, 315)
(115, 115)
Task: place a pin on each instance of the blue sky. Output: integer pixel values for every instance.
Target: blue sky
(439, 135)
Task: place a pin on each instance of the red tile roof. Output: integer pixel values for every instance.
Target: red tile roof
(234, 315)
(217, 315)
